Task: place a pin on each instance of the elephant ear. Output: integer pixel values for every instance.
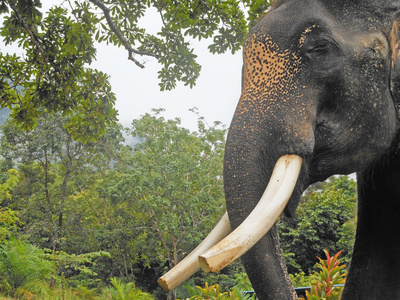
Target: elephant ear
(395, 63)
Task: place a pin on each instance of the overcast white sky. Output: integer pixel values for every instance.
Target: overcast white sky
(215, 94)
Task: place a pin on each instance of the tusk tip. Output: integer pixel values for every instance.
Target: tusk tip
(188, 266)
(212, 261)
(204, 264)
(162, 282)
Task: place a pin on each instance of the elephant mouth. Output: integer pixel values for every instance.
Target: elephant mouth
(221, 246)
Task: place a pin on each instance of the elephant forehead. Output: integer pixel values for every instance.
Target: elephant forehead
(268, 70)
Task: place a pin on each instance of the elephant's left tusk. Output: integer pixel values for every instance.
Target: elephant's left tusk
(260, 220)
(190, 264)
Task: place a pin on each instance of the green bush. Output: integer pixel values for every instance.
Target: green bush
(300, 279)
(121, 290)
(23, 269)
(215, 292)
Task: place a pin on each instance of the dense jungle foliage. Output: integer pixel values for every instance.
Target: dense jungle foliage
(88, 220)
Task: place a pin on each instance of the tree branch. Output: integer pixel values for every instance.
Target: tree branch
(28, 29)
(120, 36)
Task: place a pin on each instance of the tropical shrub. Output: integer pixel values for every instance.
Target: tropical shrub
(210, 292)
(215, 292)
(121, 290)
(331, 274)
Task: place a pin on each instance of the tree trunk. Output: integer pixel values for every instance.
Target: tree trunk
(49, 210)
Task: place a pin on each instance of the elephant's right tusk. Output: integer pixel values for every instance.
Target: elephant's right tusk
(190, 264)
(261, 219)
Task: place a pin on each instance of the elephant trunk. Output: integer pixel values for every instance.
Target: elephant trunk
(252, 149)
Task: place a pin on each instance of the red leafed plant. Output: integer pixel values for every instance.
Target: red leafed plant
(331, 274)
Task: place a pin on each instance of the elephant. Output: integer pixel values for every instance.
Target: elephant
(320, 96)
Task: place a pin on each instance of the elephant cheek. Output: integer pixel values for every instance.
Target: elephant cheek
(275, 108)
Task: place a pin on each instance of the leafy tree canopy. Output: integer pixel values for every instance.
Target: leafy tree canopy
(52, 75)
(58, 47)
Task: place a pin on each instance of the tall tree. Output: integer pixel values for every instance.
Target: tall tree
(168, 196)
(49, 158)
(177, 181)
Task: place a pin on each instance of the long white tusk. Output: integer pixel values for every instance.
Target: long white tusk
(190, 264)
(260, 220)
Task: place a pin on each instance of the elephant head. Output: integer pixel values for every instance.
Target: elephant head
(320, 94)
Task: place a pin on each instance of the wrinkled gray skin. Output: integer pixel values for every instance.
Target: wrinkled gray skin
(321, 80)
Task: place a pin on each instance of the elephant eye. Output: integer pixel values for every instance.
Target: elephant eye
(320, 48)
(322, 53)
